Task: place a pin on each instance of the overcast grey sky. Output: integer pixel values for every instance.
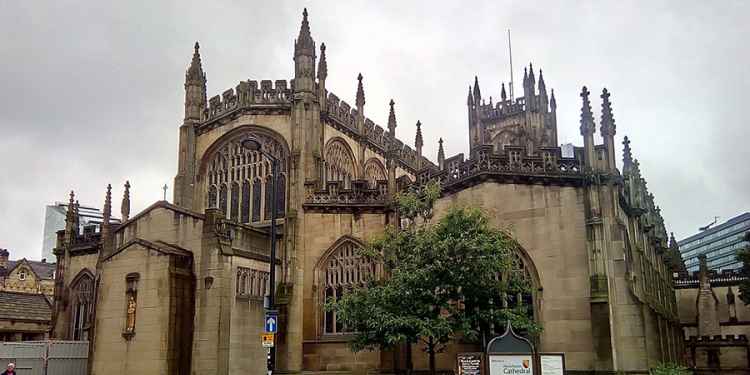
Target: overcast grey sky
(92, 92)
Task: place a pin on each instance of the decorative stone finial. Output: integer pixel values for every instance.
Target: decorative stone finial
(542, 85)
(503, 94)
(305, 43)
(477, 92)
(441, 154)
(607, 127)
(418, 141)
(360, 93)
(470, 98)
(587, 118)
(553, 102)
(125, 206)
(627, 156)
(107, 212)
(322, 64)
(392, 120)
(195, 72)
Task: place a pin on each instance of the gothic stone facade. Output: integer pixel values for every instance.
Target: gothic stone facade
(180, 285)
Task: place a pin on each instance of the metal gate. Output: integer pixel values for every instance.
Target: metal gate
(46, 357)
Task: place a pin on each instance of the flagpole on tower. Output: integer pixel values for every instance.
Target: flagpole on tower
(510, 54)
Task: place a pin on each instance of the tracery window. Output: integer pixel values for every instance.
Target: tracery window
(235, 177)
(374, 172)
(339, 163)
(267, 203)
(341, 271)
(524, 299)
(82, 298)
(252, 283)
(281, 195)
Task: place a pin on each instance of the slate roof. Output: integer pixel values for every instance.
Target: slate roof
(43, 270)
(24, 306)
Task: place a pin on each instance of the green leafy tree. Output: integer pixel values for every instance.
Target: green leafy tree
(669, 369)
(442, 280)
(744, 257)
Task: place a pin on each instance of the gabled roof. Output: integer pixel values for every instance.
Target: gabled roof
(24, 306)
(42, 270)
(161, 204)
(160, 246)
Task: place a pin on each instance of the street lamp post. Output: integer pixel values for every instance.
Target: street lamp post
(253, 144)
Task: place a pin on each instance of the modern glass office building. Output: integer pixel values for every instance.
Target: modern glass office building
(719, 243)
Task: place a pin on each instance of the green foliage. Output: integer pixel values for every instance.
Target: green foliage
(744, 257)
(443, 279)
(669, 369)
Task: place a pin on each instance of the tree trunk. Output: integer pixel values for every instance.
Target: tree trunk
(409, 363)
(431, 352)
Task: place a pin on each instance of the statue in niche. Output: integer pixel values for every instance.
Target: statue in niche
(130, 326)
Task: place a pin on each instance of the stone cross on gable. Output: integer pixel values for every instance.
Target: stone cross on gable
(165, 191)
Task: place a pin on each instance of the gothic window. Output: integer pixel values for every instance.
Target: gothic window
(281, 196)
(212, 197)
(223, 198)
(342, 270)
(22, 275)
(339, 163)
(520, 272)
(256, 199)
(374, 172)
(251, 282)
(235, 208)
(267, 202)
(245, 210)
(82, 298)
(231, 171)
(131, 303)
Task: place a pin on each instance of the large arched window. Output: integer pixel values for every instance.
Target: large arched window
(235, 176)
(82, 303)
(339, 270)
(374, 172)
(339, 163)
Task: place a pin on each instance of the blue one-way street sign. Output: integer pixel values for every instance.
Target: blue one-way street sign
(272, 323)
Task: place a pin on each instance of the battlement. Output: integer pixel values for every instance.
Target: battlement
(510, 165)
(716, 279)
(361, 196)
(249, 93)
(342, 114)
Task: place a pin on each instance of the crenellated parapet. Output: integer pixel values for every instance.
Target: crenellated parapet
(343, 116)
(360, 197)
(247, 94)
(512, 165)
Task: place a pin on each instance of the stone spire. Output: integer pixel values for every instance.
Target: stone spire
(532, 80)
(553, 102)
(125, 206)
(304, 43)
(71, 219)
(542, 85)
(470, 98)
(543, 99)
(392, 120)
(195, 87)
(441, 154)
(477, 93)
(627, 156)
(607, 127)
(418, 141)
(360, 93)
(503, 95)
(107, 211)
(106, 214)
(587, 118)
(587, 129)
(323, 64)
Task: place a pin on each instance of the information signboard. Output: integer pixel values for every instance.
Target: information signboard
(511, 364)
(469, 363)
(267, 340)
(552, 363)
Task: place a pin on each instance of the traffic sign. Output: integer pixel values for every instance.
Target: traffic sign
(272, 323)
(267, 340)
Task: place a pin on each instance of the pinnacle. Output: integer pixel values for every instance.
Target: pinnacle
(360, 92)
(322, 64)
(304, 40)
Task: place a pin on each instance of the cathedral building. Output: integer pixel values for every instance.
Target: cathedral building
(178, 288)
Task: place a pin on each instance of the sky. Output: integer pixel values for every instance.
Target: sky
(92, 92)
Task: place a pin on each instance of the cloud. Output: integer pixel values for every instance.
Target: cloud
(92, 92)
